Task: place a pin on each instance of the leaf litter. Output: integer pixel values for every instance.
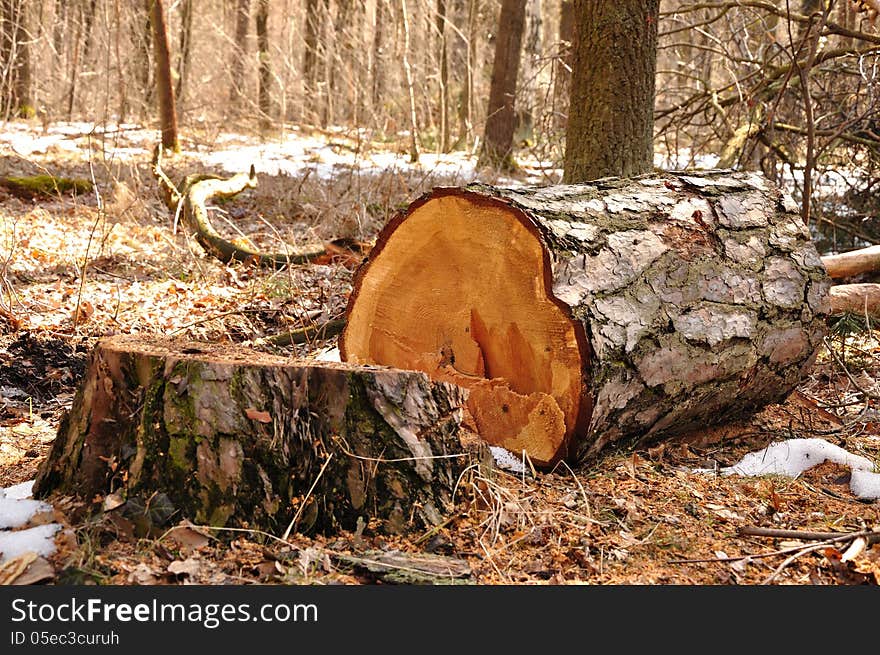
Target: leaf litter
(73, 270)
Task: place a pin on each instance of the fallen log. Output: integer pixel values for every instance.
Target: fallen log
(230, 436)
(854, 262)
(581, 315)
(861, 299)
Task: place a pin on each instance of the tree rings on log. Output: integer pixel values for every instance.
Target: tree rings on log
(231, 436)
(580, 315)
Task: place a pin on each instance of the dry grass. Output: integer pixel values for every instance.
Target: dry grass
(627, 518)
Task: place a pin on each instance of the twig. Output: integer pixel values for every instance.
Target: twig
(305, 500)
(871, 536)
(866, 394)
(779, 569)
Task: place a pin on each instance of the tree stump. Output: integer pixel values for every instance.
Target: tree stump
(581, 315)
(227, 435)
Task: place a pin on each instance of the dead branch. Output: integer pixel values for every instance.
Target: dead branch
(195, 199)
(872, 536)
(851, 263)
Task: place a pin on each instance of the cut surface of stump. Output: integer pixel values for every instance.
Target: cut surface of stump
(578, 315)
(230, 436)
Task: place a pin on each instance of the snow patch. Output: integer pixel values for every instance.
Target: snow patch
(330, 355)
(39, 540)
(15, 513)
(507, 460)
(18, 491)
(793, 457)
(16, 509)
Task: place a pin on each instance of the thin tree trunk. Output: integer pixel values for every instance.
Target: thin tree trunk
(186, 18)
(466, 104)
(342, 59)
(611, 110)
(562, 65)
(265, 72)
(143, 35)
(316, 12)
(497, 150)
(89, 26)
(239, 49)
(74, 68)
(414, 130)
(164, 86)
(443, 141)
(379, 63)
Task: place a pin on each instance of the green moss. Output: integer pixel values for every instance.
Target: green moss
(179, 452)
(45, 186)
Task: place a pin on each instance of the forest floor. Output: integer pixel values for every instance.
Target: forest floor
(76, 268)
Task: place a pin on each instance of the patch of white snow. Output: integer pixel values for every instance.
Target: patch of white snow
(794, 456)
(18, 491)
(15, 513)
(40, 540)
(507, 460)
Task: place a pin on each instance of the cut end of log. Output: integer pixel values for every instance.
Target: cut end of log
(493, 326)
(578, 316)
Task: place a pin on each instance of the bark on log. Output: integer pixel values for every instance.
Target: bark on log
(580, 315)
(232, 436)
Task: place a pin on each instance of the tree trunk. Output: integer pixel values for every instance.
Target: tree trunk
(407, 74)
(563, 63)
(316, 12)
(229, 436)
(164, 84)
(861, 299)
(611, 108)
(15, 61)
(579, 316)
(239, 50)
(853, 262)
(143, 48)
(443, 56)
(186, 16)
(265, 90)
(497, 150)
(466, 96)
(380, 59)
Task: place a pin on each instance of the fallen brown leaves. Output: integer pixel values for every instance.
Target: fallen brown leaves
(627, 518)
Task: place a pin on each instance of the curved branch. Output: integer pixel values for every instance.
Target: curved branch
(195, 199)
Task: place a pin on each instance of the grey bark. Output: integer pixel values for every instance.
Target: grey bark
(229, 436)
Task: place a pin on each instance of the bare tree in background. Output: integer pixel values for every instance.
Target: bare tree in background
(265, 69)
(313, 60)
(164, 83)
(183, 66)
(239, 51)
(15, 60)
(497, 150)
(611, 109)
(443, 56)
(407, 70)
